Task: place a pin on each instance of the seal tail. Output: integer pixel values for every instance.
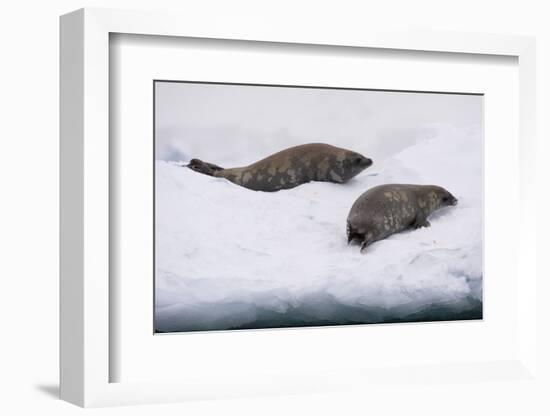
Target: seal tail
(204, 167)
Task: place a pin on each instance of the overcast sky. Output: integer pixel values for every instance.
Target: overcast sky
(232, 125)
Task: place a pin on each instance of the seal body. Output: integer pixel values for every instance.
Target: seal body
(388, 209)
(292, 167)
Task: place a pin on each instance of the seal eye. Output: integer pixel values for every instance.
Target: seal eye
(357, 160)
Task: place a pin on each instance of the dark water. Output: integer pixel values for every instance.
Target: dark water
(329, 313)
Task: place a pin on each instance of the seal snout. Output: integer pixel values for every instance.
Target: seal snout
(361, 161)
(452, 200)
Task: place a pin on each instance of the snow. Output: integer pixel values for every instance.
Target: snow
(231, 258)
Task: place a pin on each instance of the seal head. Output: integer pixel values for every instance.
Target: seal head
(352, 164)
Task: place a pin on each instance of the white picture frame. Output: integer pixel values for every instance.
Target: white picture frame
(85, 220)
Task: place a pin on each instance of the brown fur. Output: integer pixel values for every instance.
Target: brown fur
(292, 167)
(388, 209)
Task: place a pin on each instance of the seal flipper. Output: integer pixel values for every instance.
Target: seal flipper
(353, 235)
(215, 168)
(420, 221)
(204, 167)
(367, 239)
(349, 232)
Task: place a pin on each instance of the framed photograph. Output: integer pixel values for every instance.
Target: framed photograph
(256, 212)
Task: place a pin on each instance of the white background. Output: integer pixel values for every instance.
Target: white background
(29, 172)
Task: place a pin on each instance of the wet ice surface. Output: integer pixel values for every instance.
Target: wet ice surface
(231, 258)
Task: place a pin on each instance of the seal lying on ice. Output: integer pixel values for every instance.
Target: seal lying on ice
(388, 209)
(291, 167)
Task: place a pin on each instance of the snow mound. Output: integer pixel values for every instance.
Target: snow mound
(231, 258)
